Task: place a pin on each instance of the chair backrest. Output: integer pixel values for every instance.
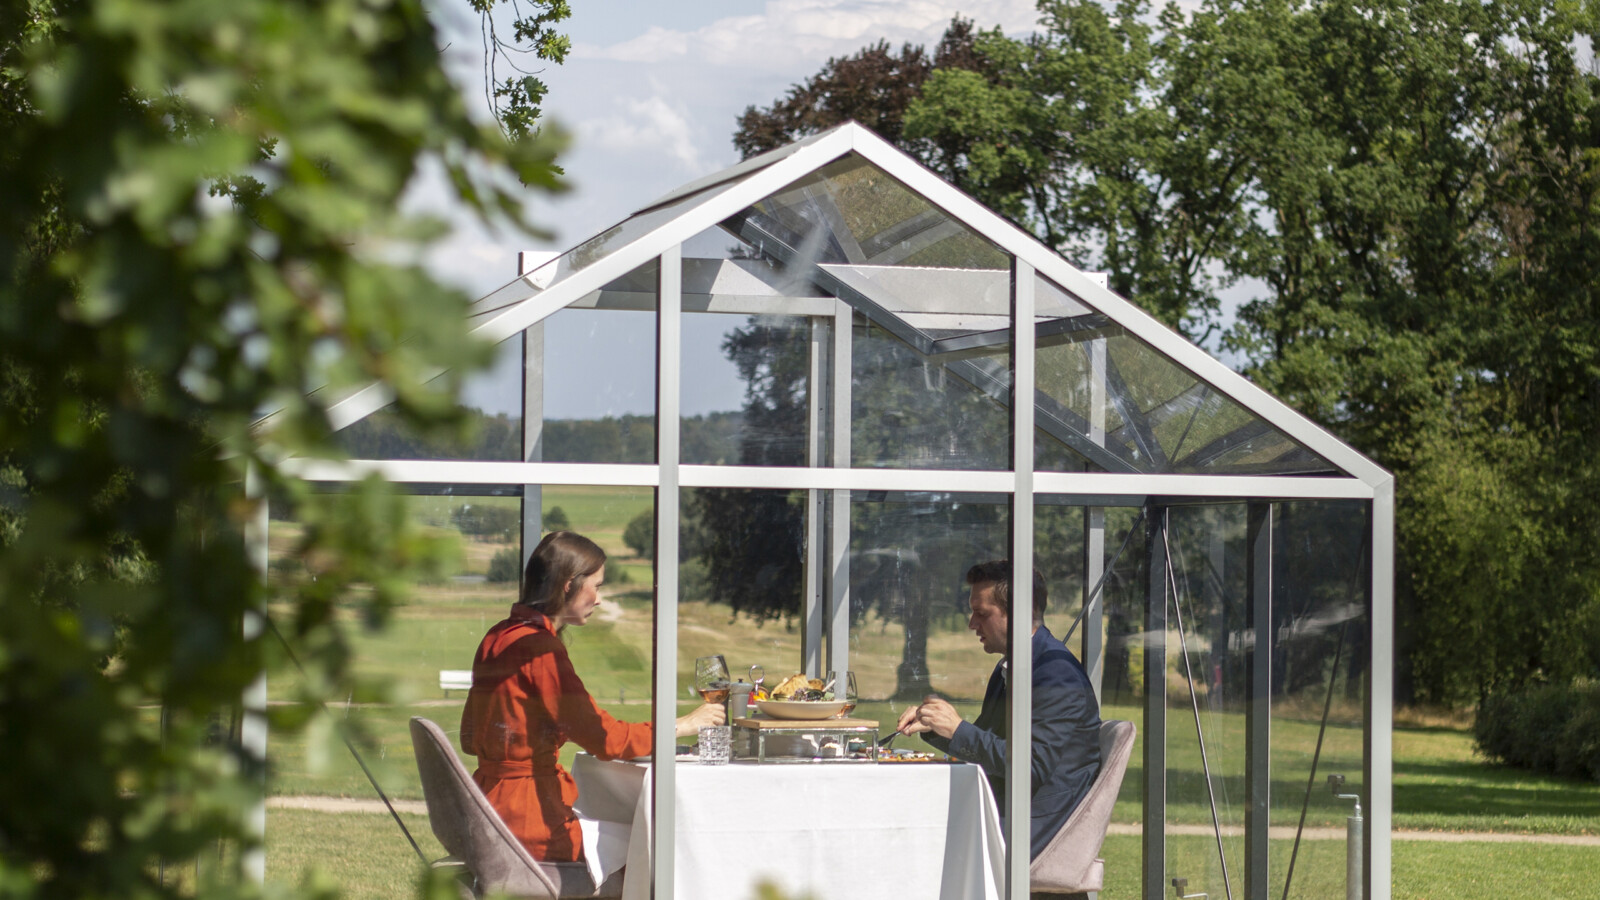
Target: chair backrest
(467, 825)
(1069, 863)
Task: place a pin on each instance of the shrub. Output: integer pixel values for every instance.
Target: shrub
(615, 573)
(556, 519)
(505, 566)
(487, 523)
(1550, 728)
(640, 535)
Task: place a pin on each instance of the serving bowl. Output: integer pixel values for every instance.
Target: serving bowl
(809, 710)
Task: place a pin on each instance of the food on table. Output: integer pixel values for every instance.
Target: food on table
(906, 756)
(798, 687)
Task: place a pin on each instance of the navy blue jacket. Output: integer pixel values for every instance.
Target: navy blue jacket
(1066, 737)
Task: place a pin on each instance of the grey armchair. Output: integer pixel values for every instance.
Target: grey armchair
(473, 833)
(1070, 863)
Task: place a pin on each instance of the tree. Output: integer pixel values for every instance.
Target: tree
(873, 87)
(1407, 189)
(556, 519)
(640, 535)
(198, 213)
(515, 99)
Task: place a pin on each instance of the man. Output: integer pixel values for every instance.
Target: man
(1066, 718)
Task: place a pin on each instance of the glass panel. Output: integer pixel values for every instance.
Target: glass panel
(599, 374)
(491, 404)
(911, 268)
(909, 554)
(1125, 407)
(592, 250)
(746, 389)
(746, 385)
(851, 212)
(404, 669)
(1207, 693)
(910, 411)
(1320, 656)
(1065, 538)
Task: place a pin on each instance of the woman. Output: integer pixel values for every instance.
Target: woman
(527, 701)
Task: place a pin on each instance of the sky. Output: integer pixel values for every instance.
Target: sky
(652, 91)
(650, 95)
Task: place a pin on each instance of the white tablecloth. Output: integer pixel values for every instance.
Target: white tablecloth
(835, 831)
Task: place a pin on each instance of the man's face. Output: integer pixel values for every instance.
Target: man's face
(988, 619)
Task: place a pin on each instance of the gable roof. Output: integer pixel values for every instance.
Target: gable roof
(866, 266)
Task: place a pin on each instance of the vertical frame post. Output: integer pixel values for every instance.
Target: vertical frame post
(253, 705)
(813, 607)
(1258, 712)
(1094, 545)
(1019, 749)
(839, 507)
(1155, 706)
(1092, 645)
(1380, 695)
(664, 702)
(532, 416)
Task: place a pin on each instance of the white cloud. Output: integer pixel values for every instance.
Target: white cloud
(797, 35)
(651, 124)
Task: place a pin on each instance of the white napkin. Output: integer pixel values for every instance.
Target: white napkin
(605, 847)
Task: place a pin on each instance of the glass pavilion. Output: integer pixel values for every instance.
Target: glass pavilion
(1222, 565)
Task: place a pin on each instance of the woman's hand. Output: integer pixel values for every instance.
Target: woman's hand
(707, 714)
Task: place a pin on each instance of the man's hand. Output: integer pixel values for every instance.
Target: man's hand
(908, 723)
(935, 715)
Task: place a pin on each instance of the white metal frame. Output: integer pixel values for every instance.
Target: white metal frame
(830, 479)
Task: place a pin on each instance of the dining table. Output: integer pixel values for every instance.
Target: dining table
(839, 830)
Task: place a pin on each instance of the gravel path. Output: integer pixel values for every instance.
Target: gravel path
(416, 807)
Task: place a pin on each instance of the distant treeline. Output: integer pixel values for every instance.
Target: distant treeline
(707, 439)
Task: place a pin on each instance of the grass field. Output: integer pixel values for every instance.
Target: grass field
(1439, 784)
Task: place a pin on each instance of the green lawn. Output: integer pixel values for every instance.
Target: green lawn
(369, 858)
(1439, 784)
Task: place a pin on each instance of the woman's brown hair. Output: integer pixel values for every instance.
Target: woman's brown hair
(560, 560)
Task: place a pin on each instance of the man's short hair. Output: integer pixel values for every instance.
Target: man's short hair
(998, 573)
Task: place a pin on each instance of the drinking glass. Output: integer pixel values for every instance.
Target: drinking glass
(844, 688)
(711, 679)
(716, 745)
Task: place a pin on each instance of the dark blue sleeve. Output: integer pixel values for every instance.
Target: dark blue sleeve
(1063, 703)
(973, 744)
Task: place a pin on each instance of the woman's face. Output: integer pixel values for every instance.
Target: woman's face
(583, 598)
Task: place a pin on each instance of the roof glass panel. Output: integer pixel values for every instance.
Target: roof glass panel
(850, 212)
(1131, 408)
(594, 249)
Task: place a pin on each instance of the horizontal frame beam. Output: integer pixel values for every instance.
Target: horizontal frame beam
(1095, 484)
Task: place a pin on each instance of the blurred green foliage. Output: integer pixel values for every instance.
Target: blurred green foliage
(199, 226)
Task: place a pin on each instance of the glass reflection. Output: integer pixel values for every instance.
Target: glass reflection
(850, 211)
(908, 411)
(753, 410)
(1207, 695)
(1321, 569)
(1117, 401)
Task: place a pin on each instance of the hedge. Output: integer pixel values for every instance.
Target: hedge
(1550, 728)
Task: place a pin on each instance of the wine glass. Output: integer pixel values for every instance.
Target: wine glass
(844, 688)
(711, 678)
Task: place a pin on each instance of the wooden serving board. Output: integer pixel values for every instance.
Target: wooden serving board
(765, 724)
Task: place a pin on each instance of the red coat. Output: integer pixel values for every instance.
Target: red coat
(526, 702)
